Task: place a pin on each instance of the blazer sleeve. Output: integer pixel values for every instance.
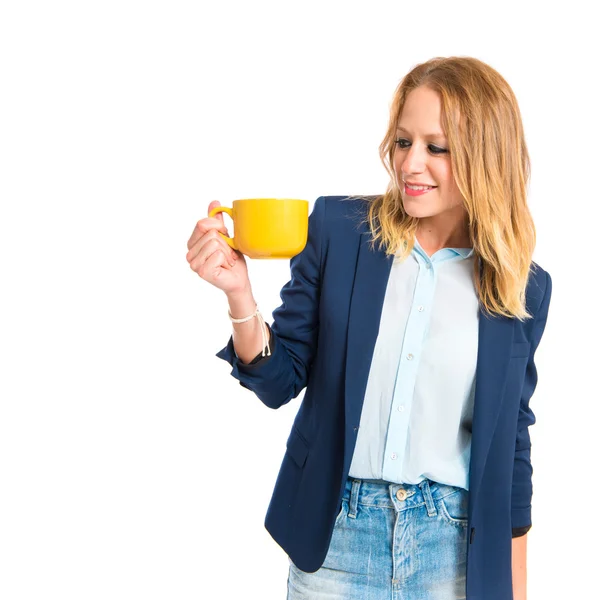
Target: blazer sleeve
(294, 329)
(522, 470)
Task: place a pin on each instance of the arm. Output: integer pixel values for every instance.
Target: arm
(259, 358)
(522, 471)
(519, 567)
(247, 336)
(284, 374)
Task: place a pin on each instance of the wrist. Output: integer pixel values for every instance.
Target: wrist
(240, 293)
(242, 303)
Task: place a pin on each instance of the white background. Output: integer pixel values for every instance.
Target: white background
(132, 465)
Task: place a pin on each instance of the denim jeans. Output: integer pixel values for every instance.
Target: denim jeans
(392, 542)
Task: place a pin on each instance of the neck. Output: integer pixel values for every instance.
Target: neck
(434, 237)
(431, 242)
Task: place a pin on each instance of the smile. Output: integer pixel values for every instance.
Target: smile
(420, 187)
(417, 190)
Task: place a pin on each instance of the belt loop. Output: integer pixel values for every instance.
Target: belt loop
(429, 503)
(353, 504)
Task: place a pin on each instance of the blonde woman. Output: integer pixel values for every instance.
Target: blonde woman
(412, 319)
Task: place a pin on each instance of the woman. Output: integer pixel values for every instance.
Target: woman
(412, 319)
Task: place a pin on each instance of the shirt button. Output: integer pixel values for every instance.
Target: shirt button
(401, 408)
(421, 308)
(401, 494)
(409, 356)
(428, 265)
(394, 456)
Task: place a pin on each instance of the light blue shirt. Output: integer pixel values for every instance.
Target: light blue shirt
(416, 419)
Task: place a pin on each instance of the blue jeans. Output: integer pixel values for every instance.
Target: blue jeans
(392, 542)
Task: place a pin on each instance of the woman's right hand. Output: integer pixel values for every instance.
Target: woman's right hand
(213, 259)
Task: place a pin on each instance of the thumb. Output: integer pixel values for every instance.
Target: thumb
(218, 216)
(212, 205)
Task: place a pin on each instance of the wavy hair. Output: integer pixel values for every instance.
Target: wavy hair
(490, 163)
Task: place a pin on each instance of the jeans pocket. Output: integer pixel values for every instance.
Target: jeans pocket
(454, 508)
(342, 512)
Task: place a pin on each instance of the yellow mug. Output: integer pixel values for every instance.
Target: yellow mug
(267, 227)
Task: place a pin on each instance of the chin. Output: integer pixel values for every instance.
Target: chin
(418, 212)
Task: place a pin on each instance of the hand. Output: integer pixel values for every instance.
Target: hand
(213, 259)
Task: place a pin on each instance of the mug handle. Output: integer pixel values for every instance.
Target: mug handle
(218, 209)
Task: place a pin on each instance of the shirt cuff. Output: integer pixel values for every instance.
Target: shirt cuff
(519, 531)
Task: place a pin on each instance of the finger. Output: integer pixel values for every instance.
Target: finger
(205, 225)
(211, 236)
(206, 251)
(218, 216)
(217, 260)
(213, 266)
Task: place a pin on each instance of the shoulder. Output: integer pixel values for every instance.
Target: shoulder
(340, 211)
(539, 286)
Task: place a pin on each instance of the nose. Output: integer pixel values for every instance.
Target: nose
(413, 161)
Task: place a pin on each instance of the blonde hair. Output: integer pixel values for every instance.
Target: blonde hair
(482, 122)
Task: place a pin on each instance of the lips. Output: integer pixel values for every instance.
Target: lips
(414, 184)
(409, 191)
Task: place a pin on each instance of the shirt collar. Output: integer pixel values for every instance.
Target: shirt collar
(442, 253)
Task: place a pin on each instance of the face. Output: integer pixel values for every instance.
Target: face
(421, 157)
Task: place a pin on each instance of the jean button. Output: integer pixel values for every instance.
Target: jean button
(401, 494)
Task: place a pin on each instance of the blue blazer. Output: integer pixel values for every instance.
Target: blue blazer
(324, 334)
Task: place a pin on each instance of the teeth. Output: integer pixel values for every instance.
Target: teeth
(419, 187)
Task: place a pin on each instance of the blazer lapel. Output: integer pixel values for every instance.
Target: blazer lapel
(495, 338)
(370, 282)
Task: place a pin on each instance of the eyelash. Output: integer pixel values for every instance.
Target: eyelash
(436, 149)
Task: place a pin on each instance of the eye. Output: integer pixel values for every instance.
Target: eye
(404, 143)
(436, 149)
(401, 143)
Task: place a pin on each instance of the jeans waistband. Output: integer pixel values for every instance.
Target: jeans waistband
(400, 496)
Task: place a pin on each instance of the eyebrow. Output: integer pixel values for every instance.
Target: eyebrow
(439, 134)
